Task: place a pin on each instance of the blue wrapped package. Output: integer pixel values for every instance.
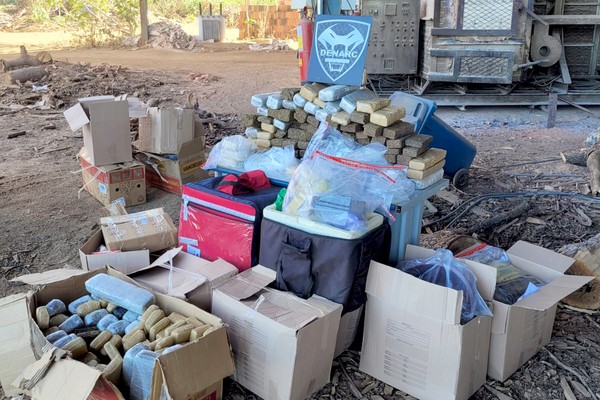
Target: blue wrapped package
(348, 102)
(132, 325)
(53, 337)
(119, 312)
(251, 132)
(55, 306)
(141, 379)
(71, 323)
(130, 316)
(289, 105)
(120, 293)
(106, 321)
(311, 107)
(94, 317)
(65, 339)
(281, 125)
(260, 100)
(335, 92)
(321, 115)
(332, 107)
(264, 111)
(118, 328)
(76, 303)
(128, 361)
(299, 100)
(274, 101)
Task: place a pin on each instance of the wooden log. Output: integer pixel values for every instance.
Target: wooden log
(575, 157)
(593, 164)
(23, 60)
(501, 218)
(23, 75)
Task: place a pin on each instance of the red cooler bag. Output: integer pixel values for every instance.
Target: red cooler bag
(214, 224)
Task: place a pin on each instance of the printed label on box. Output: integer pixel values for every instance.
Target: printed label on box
(188, 241)
(193, 251)
(102, 187)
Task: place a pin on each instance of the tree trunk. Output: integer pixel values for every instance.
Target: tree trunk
(23, 75)
(593, 164)
(23, 60)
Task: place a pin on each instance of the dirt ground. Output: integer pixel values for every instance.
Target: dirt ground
(46, 217)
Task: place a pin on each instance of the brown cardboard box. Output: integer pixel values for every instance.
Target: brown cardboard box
(167, 174)
(413, 339)
(185, 276)
(283, 345)
(183, 373)
(105, 124)
(152, 230)
(520, 330)
(166, 130)
(125, 262)
(111, 182)
(348, 331)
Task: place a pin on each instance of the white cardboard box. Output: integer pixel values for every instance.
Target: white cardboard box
(191, 278)
(413, 339)
(166, 130)
(125, 262)
(283, 346)
(520, 330)
(349, 324)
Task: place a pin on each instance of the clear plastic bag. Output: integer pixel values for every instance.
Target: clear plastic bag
(260, 100)
(335, 92)
(332, 107)
(512, 284)
(348, 102)
(445, 270)
(141, 378)
(277, 162)
(231, 152)
(321, 115)
(129, 360)
(120, 293)
(338, 191)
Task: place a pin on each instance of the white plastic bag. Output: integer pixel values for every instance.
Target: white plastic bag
(277, 162)
(231, 152)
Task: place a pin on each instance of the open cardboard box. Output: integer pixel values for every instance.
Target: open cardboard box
(125, 262)
(413, 339)
(184, 276)
(169, 130)
(520, 330)
(26, 358)
(283, 345)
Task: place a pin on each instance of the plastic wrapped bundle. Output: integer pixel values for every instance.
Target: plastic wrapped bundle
(445, 270)
(231, 152)
(321, 115)
(120, 293)
(71, 323)
(251, 132)
(65, 339)
(129, 359)
(260, 100)
(94, 317)
(53, 337)
(141, 378)
(289, 105)
(348, 102)
(132, 325)
(118, 327)
(106, 321)
(512, 284)
(130, 316)
(311, 107)
(277, 162)
(284, 126)
(332, 107)
(299, 100)
(76, 303)
(119, 312)
(55, 306)
(263, 111)
(336, 92)
(274, 101)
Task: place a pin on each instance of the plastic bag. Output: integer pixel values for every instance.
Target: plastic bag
(445, 270)
(321, 115)
(338, 191)
(119, 292)
(277, 162)
(141, 377)
(512, 284)
(332, 107)
(335, 92)
(129, 360)
(231, 152)
(348, 102)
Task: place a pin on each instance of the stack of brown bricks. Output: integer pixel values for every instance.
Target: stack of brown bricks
(279, 21)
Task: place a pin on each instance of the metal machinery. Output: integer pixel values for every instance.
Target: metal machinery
(482, 52)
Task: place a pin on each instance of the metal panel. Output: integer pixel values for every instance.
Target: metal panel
(475, 66)
(394, 42)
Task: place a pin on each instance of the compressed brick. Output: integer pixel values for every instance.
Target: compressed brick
(352, 127)
(309, 128)
(418, 141)
(334, 125)
(373, 130)
(284, 115)
(391, 158)
(277, 142)
(268, 128)
(427, 159)
(294, 133)
(387, 116)
(362, 135)
(303, 145)
(305, 136)
(395, 143)
(359, 117)
(403, 159)
(413, 151)
(414, 174)
(250, 121)
(319, 102)
(363, 141)
(265, 135)
(280, 134)
(371, 106)
(264, 143)
(272, 113)
(398, 130)
(289, 142)
(311, 91)
(300, 115)
(392, 152)
(341, 117)
(313, 121)
(288, 93)
(378, 139)
(264, 120)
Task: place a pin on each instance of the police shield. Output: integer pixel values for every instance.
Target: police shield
(339, 49)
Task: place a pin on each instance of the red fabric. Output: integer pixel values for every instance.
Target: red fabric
(252, 181)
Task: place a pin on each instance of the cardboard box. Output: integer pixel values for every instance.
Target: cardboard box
(413, 339)
(105, 124)
(520, 330)
(185, 276)
(125, 262)
(168, 174)
(348, 331)
(111, 182)
(166, 130)
(151, 230)
(283, 345)
(184, 372)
